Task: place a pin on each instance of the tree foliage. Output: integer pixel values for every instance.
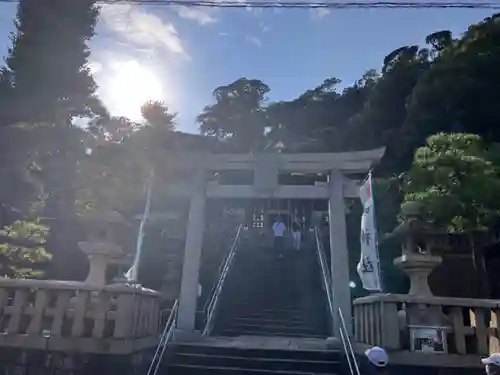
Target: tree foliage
(22, 249)
(47, 64)
(156, 115)
(457, 183)
(458, 93)
(44, 85)
(238, 114)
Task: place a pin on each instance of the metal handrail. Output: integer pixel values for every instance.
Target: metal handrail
(326, 278)
(348, 349)
(219, 271)
(214, 299)
(325, 273)
(164, 339)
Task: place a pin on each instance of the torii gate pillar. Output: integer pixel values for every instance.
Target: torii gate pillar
(339, 252)
(192, 256)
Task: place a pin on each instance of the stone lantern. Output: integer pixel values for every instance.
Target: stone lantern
(418, 238)
(416, 259)
(100, 247)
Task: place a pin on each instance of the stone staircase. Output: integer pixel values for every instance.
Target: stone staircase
(272, 320)
(200, 359)
(272, 296)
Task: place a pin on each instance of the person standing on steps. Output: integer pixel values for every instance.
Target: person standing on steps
(279, 229)
(296, 233)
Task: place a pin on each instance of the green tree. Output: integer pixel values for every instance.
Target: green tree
(439, 40)
(238, 115)
(117, 128)
(22, 236)
(380, 121)
(46, 70)
(6, 100)
(156, 115)
(316, 120)
(55, 154)
(298, 123)
(47, 63)
(22, 249)
(455, 180)
(459, 92)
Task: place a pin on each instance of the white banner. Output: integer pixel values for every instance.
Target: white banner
(368, 266)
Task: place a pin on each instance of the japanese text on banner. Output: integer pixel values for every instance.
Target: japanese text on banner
(368, 266)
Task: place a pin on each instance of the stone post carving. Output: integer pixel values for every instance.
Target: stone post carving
(416, 260)
(100, 246)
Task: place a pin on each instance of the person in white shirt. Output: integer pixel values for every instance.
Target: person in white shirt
(296, 233)
(279, 229)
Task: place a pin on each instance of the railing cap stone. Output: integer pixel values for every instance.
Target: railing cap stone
(432, 300)
(74, 285)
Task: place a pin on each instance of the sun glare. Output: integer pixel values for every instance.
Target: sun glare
(129, 86)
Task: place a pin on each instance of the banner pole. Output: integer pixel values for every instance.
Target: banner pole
(132, 275)
(379, 265)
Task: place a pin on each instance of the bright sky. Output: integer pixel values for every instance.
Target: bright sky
(179, 55)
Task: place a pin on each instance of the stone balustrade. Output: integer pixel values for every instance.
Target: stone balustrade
(470, 325)
(62, 315)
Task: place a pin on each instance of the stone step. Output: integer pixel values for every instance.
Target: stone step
(269, 314)
(259, 352)
(279, 328)
(216, 370)
(273, 310)
(266, 320)
(274, 304)
(238, 332)
(258, 363)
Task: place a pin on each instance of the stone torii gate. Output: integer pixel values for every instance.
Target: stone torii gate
(266, 168)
